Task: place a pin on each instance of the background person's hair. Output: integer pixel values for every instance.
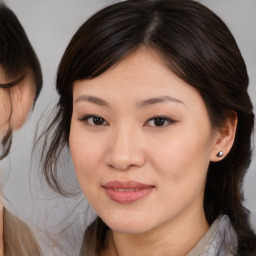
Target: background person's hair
(16, 57)
(198, 47)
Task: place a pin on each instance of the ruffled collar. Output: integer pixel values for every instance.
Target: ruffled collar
(219, 240)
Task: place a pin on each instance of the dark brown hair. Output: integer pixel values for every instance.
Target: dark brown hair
(16, 57)
(199, 48)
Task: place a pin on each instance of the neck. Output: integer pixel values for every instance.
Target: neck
(175, 238)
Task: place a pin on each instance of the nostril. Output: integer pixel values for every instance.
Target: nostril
(128, 162)
(120, 165)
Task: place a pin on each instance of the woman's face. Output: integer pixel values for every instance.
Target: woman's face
(16, 101)
(141, 142)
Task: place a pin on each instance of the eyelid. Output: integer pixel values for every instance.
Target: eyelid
(85, 119)
(168, 119)
(13, 83)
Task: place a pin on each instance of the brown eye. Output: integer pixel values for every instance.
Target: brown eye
(160, 121)
(94, 120)
(98, 120)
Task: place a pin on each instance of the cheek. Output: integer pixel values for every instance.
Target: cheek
(22, 104)
(82, 155)
(182, 159)
(181, 171)
(86, 156)
(5, 107)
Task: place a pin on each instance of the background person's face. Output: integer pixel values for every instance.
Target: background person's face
(140, 122)
(16, 102)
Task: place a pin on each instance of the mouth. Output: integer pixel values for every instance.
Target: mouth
(126, 189)
(127, 192)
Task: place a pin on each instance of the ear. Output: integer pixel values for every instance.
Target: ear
(224, 138)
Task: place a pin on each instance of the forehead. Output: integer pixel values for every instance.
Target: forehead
(143, 73)
(141, 81)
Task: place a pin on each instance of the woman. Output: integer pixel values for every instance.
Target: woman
(20, 85)
(155, 111)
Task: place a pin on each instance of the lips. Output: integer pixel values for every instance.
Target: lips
(127, 192)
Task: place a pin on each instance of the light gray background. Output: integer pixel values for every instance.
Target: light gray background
(50, 25)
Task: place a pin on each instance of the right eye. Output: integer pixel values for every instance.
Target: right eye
(94, 120)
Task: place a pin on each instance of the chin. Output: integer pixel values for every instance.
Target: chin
(128, 227)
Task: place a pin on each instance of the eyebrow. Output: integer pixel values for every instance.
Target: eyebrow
(92, 99)
(141, 104)
(157, 100)
(13, 83)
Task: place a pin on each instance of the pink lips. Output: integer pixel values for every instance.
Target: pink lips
(127, 192)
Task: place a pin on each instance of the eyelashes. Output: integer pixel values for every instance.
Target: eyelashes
(13, 83)
(156, 121)
(93, 120)
(160, 121)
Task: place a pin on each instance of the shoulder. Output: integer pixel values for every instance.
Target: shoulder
(219, 240)
(18, 237)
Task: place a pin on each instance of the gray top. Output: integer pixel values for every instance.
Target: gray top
(219, 240)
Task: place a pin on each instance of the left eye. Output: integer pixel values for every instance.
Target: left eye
(159, 121)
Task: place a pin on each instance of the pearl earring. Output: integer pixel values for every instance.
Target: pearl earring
(220, 154)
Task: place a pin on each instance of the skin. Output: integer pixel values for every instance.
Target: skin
(15, 105)
(173, 158)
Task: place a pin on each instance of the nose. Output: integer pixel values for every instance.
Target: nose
(126, 149)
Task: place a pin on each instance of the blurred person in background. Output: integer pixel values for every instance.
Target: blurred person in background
(20, 85)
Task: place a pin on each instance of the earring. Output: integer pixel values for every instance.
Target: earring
(220, 154)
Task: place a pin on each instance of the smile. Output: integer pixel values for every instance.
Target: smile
(127, 192)
(126, 189)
